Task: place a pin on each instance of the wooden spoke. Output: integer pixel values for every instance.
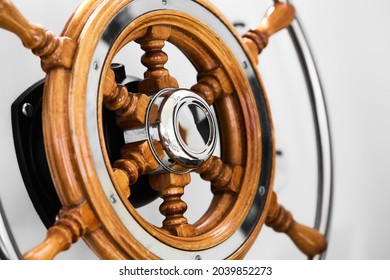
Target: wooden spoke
(156, 77)
(309, 240)
(72, 224)
(223, 177)
(212, 85)
(53, 51)
(122, 182)
(171, 187)
(130, 108)
(137, 159)
(277, 18)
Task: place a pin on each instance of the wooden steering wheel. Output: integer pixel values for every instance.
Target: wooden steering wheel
(169, 132)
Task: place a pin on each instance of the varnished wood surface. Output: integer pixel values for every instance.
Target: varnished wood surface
(278, 17)
(223, 177)
(233, 133)
(212, 85)
(157, 77)
(309, 240)
(171, 188)
(73, 223)
(221, 82)
(130, 108)
(53, 51)
(137, 159)
(122, 182)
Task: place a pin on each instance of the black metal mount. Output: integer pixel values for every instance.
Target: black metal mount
(30, 149)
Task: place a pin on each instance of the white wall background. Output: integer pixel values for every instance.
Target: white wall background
(350, 42)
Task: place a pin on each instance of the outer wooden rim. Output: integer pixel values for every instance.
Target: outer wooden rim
(66, 139)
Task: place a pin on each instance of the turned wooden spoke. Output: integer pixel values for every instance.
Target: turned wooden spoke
(137, 159)
(121, 182)
(130, 108)
(53, 51)
(171, 187)
(277, 18)
(156, 77)
(223, 177)
(73, 223)
(212, 85)
(309, 240)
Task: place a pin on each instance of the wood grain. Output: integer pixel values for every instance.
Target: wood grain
(309, 240)
(137, 159)
(277, 18)
(73, 223)
(130, 108)
(53, 51)
(71, 158)
(223, 177)
(156, 77)
(170, 188)
(212, 85)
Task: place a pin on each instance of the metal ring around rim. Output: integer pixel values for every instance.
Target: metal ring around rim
(322, 130)
(8, 248)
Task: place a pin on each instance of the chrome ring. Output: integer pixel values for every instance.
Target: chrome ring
(180, 155)
(322, 130)
(8, 248)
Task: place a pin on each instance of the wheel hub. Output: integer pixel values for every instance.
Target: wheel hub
(180, 128)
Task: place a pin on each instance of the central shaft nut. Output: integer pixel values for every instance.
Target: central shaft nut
(184, 125)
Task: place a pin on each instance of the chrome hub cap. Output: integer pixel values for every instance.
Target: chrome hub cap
(180, 128)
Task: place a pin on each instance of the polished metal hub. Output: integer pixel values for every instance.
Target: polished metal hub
(180, 128)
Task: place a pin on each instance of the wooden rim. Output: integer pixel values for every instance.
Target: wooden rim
(69, 148)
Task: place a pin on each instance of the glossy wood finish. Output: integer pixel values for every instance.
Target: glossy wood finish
(53, 51)
(277, 18)
(223, 177)
(122, 182)
(234, 177)
(214, 221)
(308, 240)
(137, 159)
(72, 224)
(130, 108)
(156, 76)
(212, 85)
(171, 187)
(234, 107)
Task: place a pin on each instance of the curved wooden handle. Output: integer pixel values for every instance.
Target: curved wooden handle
(53, 51)
(309, 240)
(277, 18)
(73, 224)
(12, 20)
(58, 239)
